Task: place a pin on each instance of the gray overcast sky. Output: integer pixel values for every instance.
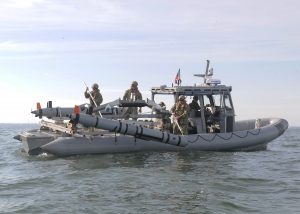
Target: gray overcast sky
(49, 47)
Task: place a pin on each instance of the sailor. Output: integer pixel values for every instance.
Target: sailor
(132, 94)
(180, 112)
(195, 107)
(164, 122)
(94, 96)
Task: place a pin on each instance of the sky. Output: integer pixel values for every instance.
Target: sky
(48, 48)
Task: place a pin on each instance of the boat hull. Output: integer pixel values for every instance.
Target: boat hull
(241, 140)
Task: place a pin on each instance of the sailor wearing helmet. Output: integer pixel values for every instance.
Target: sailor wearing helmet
(94, 96)
(180, 112)
(132, 94)
(163, 122)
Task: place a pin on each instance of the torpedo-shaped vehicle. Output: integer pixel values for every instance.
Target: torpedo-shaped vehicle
(72, 131)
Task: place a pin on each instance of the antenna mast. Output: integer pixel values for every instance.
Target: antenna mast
(208, 76)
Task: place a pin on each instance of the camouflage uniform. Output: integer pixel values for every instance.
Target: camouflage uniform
(181, 110)
(97, 97)
(132, 94)
(195, 108)
(194, 105)
(164, 122)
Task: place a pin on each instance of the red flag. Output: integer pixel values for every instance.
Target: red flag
(178, 78)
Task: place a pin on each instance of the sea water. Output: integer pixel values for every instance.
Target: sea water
(168, 182)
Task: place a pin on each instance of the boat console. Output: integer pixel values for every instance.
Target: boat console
(216, 114)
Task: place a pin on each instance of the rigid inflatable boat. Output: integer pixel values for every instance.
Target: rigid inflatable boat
(72, 131)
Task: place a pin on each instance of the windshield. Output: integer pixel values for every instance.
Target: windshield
(227, 102)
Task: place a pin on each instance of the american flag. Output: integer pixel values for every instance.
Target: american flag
(178, 78)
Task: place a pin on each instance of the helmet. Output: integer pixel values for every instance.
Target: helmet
(134, 83)
(95, 86)
(162, 104)
(181, 97)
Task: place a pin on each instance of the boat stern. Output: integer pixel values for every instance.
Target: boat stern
(33, 140)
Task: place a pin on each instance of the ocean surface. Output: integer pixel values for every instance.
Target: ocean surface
(172, 182)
